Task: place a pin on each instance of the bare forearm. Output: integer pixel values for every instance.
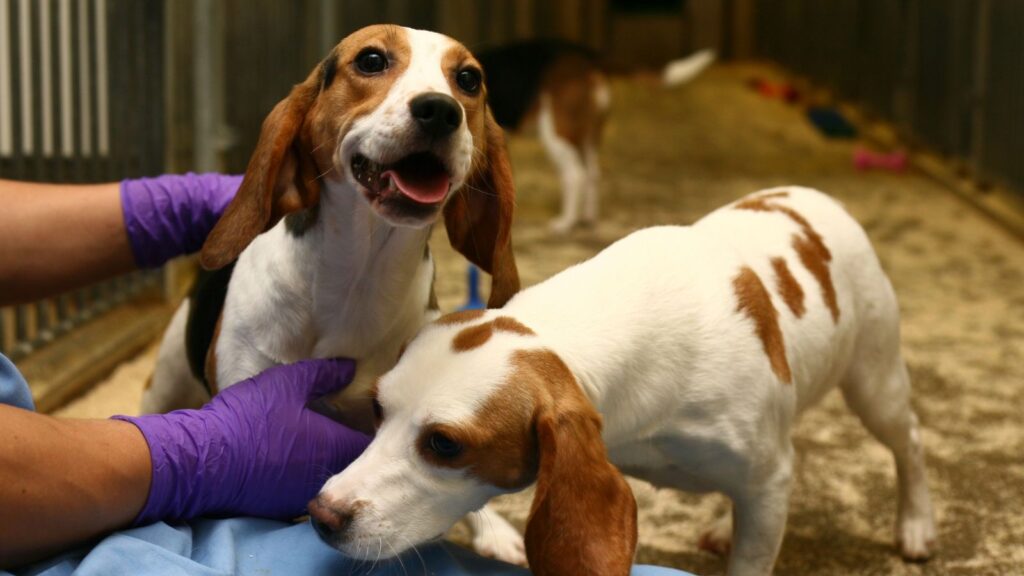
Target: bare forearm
(65, 481)
(55, 237)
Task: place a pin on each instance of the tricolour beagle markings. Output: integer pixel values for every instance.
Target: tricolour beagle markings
(388, 134)
(753, 300)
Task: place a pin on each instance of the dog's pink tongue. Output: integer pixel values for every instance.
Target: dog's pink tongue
(422, 179)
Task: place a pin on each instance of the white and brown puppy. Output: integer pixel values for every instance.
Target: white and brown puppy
(563, 87)
(680, 355)
(330, 225)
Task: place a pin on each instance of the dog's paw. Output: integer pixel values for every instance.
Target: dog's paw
(501, 541)
(915, 538)
(718, 538)
(561, 225)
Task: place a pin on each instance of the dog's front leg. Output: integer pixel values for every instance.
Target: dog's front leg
(494, 537)
(759, 521)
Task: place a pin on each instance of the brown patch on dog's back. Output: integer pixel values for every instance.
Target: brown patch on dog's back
(762, 204)
(473, 337)
(817, 264)
(754, 301)
(460, 317)
(509, 324)
(476, 336)
(790, 290)
(810, 247)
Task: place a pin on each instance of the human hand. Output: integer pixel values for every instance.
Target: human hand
(171, 215)
(255, 450)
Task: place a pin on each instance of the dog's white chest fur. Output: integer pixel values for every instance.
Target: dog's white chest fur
(351, 286)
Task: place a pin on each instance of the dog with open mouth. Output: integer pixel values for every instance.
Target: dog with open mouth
(323, 252)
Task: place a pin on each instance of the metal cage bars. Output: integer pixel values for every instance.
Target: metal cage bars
(949, 72)
(81, 100)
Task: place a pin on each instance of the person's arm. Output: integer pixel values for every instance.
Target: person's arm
(54, 237)
(65, 481)
(255, 450)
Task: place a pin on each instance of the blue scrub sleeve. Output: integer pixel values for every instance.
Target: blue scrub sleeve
(13, 388)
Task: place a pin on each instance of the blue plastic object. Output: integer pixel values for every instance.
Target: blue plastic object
(831, 122)
(473, 283)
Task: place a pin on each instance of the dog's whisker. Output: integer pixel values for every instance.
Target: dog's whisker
(398, 557)
(325, 173)
(380, 548)
(423, 563)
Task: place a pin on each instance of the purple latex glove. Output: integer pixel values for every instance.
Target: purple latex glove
(255, 450)
(171, 215)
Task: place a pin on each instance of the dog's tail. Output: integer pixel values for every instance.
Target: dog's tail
(683, 70)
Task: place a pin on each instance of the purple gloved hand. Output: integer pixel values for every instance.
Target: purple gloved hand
(171, 215)
(255, 450)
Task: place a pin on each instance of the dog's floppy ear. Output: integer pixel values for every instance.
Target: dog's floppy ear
(479, 216)
(583, 518)
(280, 179)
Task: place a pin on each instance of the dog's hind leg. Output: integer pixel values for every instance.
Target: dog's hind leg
(568, 160)
(878, 391)
(172, 385)
(601, 100)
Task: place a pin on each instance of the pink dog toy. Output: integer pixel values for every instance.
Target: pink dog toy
(864, 159)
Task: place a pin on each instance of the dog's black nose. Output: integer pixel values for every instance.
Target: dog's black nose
(437, 114)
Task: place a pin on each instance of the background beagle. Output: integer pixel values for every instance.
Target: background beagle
(680, 355)
(564, 88)
(331, 222)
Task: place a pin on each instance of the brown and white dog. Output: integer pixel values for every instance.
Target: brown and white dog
(331, 222)
(680, 355)
(563, 87)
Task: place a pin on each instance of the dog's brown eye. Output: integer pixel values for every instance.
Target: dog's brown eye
(378, 410)
(468, 80)
(443, 446)
(371, 61)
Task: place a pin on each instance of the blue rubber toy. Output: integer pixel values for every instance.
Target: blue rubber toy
(473, 283)
(831, 122)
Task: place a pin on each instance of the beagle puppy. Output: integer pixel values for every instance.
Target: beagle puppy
(323, 252)
(563, 87)
(680, 355)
